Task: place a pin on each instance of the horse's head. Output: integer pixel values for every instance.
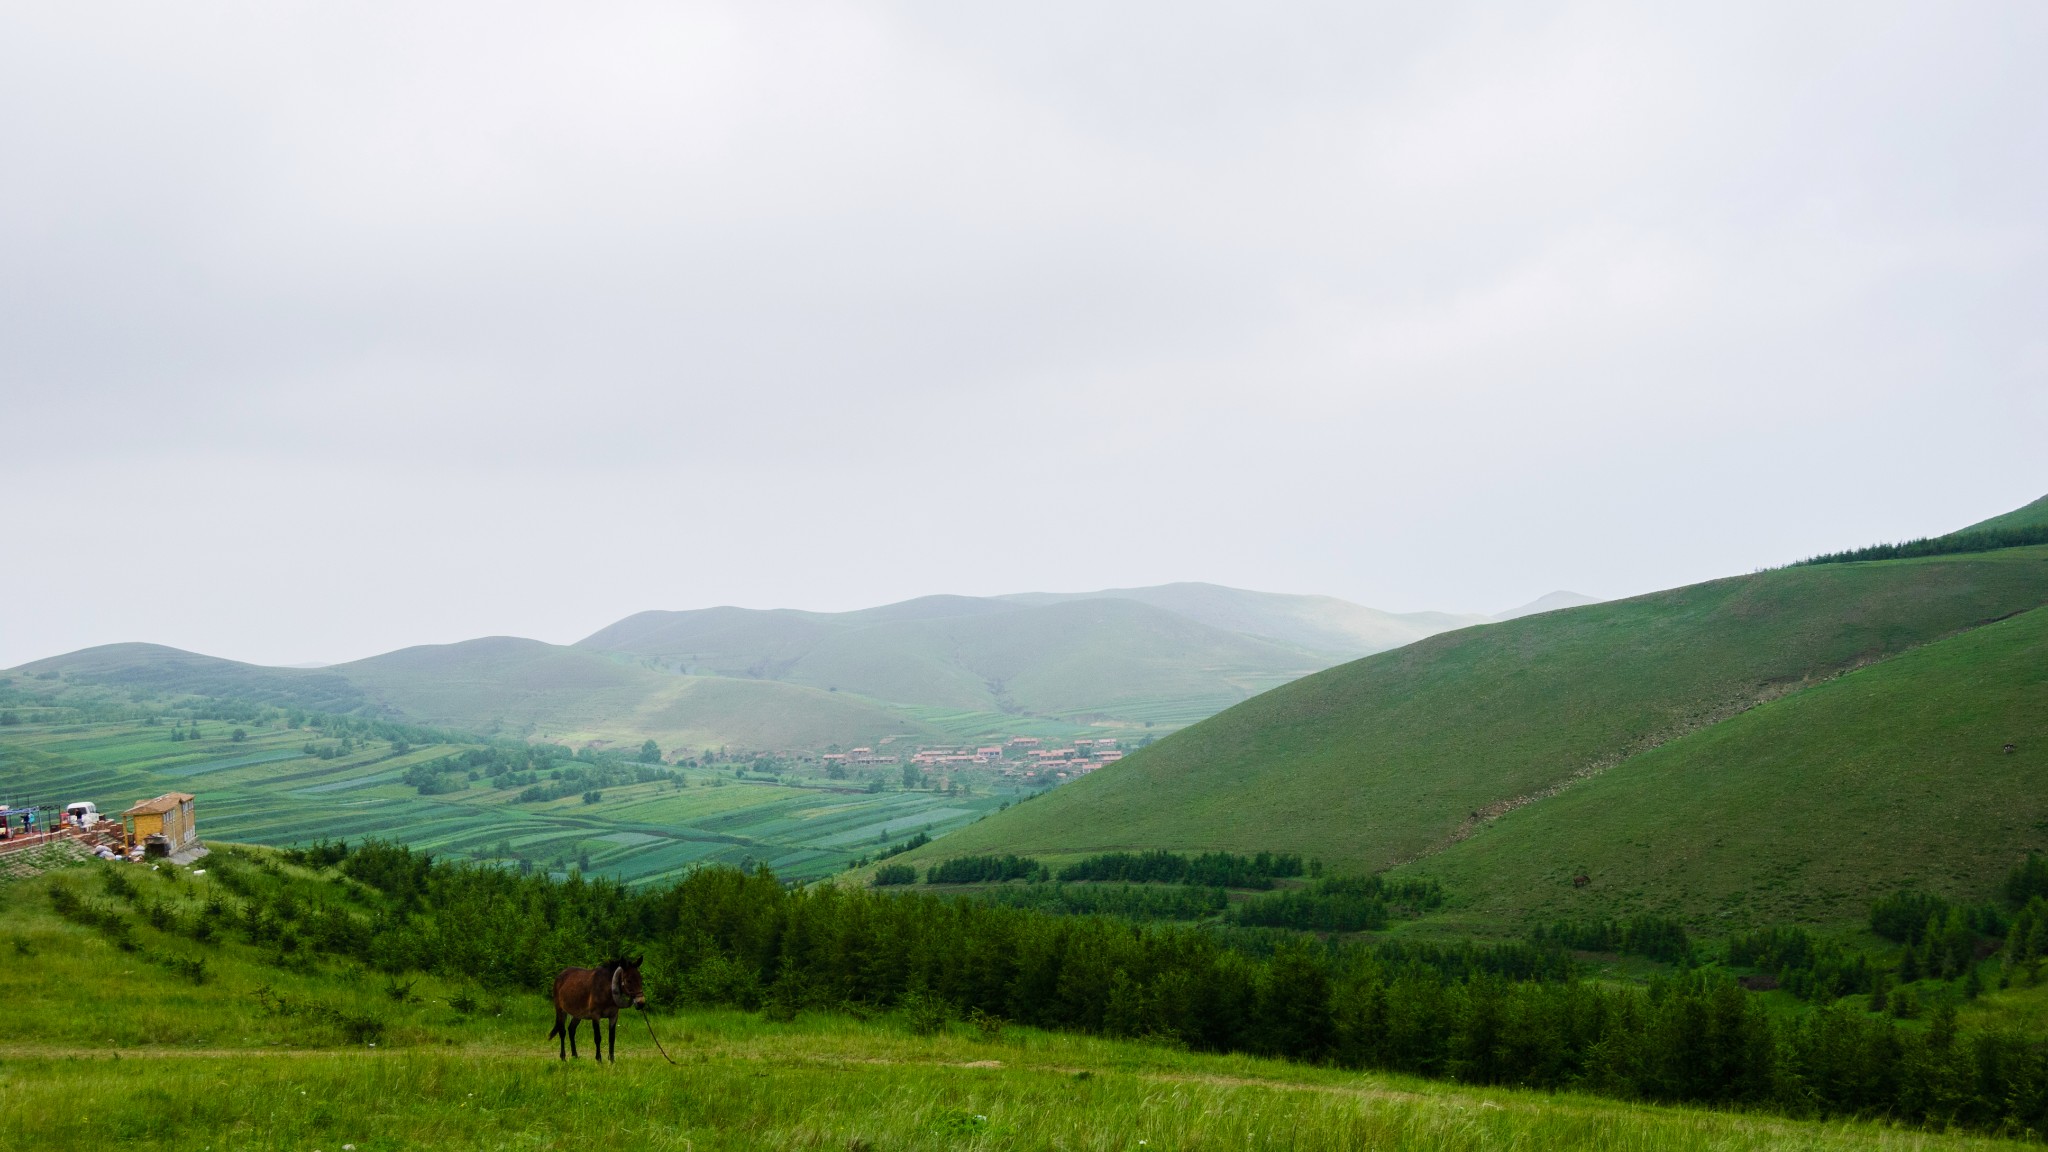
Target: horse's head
(626, 987)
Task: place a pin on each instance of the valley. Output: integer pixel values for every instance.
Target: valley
(268, 788)
(1531, 852)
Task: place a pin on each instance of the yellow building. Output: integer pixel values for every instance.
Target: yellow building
(169, 816)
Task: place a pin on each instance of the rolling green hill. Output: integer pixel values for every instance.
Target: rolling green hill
(1316, 623)
(507, 685)
(1402, 756)
(1082, 659)
(155, 669)
(937, 668)
(1805, 808)
(2033, 515)
(1089, 656)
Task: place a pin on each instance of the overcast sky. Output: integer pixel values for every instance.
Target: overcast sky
(327, 329)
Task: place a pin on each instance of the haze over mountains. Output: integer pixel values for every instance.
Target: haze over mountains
(934, 668)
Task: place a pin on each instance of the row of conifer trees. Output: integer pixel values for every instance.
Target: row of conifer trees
(1504, 1014)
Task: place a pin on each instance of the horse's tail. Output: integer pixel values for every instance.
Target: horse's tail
(557, 1029)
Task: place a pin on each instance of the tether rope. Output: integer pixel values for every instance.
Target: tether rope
(657, 1040)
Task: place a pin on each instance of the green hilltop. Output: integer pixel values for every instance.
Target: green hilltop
(2033, 515)
(1697, 750)
(509, 685)
(1316, 623)
(156, 669)
(1085, 658)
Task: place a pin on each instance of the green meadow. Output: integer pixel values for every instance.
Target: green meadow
(244, 1051)
(266, 789)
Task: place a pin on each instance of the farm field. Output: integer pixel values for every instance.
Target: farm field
(268, 790)
(258, 1055)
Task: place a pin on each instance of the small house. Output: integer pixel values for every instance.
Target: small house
(169, 816)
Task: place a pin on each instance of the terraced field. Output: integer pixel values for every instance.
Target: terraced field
(269, 790)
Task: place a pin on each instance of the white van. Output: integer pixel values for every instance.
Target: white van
(83, 813)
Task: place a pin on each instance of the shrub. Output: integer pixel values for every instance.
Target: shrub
(1903, 916)
(117, 883)
(722, 980)
(893, 874)
(983, 870)
(2028, 880)
(1656, 937)
(924, 1012)
(987, 1026)
(1209, 870)
(192, 968)
(917, 841)
(1340, 904)
(1130, 901)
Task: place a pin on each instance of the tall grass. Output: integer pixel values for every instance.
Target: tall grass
(758, 1087)
(101, 1048)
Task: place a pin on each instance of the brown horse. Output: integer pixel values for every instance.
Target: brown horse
(595, 994)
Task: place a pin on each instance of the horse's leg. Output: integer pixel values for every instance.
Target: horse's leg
(614, 1040)
(562, 1036)
(575, 1022)
(597, 1037)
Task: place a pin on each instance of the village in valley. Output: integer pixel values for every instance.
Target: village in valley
(1018, 760)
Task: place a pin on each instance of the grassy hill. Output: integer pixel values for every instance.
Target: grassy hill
(2033, 515)
(153, 669)
(1401, 756)
(506, 685)
(1806, 808)
(1084, 658)
(502, 682)
(1090, 656)
(933, 669)
(223, 1043)
(513, 686)
(1316, 623)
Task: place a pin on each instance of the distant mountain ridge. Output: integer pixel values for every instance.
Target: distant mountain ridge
(1316, 623)
(932, 668)
(1552, 602)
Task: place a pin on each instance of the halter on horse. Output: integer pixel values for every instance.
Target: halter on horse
(595, 994)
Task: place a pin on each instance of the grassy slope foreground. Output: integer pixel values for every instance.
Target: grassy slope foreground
(1398, 755)
(104, 1047)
